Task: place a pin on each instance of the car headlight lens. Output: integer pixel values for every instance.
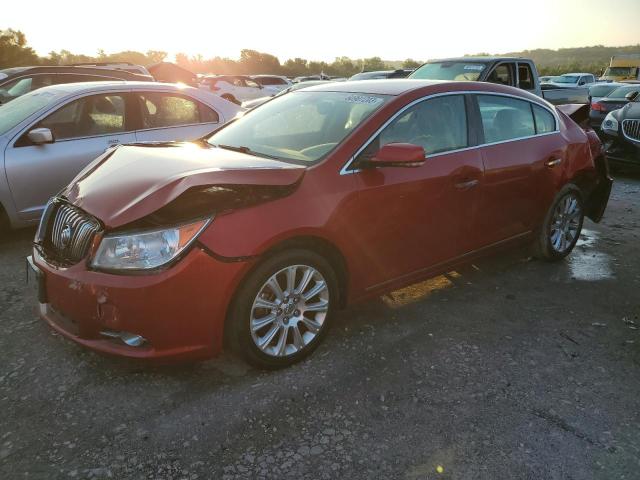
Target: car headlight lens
(145, 250)
(610, 123)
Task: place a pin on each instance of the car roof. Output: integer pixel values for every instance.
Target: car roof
(87, 69)
(82, 87)
(479, 59)
(377, 87)
(408, 86)
(576, 73)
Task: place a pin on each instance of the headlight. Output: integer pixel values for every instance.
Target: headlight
(610, 123)
(145, 250)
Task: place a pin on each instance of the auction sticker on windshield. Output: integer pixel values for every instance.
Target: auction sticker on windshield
(474, 67)
(365, 99)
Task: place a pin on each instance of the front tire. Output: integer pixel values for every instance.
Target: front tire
(283, 310)
(562, 226)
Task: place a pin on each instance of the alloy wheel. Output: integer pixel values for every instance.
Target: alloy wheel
(565, 224)
(289, 310)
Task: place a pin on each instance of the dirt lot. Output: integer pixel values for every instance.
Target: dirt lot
(508, 369)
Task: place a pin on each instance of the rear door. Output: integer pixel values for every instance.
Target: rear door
(410, 219)
(171, 116)
(83, 129)
(521, 148)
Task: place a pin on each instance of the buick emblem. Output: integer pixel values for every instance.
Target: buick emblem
(65, 236)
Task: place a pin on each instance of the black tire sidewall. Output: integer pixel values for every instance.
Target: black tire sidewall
(238, 322)
(545, 250)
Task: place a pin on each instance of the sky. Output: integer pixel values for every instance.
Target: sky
(323, 30)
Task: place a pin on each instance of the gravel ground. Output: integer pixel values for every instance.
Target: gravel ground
(506, 369)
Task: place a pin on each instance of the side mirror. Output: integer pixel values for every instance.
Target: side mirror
(582, 82)
(631, 96)
(40, 136)
(398, 155)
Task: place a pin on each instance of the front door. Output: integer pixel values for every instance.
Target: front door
(82, 129)
(412, 219)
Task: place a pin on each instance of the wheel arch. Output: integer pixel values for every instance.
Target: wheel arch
(316, 244)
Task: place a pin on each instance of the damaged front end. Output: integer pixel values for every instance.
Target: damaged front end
(140, 207)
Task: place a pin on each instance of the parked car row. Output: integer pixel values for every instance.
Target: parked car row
(240, 88)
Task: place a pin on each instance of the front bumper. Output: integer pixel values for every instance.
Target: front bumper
(179, 311)
(621, 150)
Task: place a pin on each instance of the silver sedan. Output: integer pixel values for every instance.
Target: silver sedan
(49, 135)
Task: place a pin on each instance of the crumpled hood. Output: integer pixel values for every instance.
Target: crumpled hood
(132, 181)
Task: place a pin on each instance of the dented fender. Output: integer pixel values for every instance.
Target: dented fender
(134, 181)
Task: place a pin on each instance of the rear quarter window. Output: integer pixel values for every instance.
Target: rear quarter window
(545, 121)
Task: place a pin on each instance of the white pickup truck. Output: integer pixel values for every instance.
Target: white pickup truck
(513, 71)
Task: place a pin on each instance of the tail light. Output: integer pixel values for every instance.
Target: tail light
(598, 107)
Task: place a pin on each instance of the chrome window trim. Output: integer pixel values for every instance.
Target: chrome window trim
(345, 168)
(178, 126)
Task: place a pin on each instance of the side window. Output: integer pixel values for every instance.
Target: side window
(23, 85)
(502, 75)
(87, 117)
(505, 118)
(545, 122)
(161, 110)
(525, 76)
(438, 125)
(208, 115)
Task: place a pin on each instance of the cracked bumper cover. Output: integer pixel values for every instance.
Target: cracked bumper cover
(180, 311)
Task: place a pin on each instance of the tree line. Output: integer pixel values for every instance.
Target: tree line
(15, 52)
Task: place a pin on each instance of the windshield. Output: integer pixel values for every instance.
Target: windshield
(23, 107)
(620, 71)
(566, 79)
(449, 71)
(620, 93)
(602, 90)
(301, 126)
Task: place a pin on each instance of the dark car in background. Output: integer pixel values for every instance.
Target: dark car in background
(615, 100)
(381, 74)
(17, 81)
(622, 130)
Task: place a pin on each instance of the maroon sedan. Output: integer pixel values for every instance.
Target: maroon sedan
(254, 236)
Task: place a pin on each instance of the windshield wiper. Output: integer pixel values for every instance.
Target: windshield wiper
(247, 150)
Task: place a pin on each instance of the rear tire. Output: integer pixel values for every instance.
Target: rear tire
(283, 310)
(561, 227)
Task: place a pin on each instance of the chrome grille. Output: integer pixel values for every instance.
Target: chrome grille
(69, 233)
(631, 129)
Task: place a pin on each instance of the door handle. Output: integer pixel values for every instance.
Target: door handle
(553, 162)
(467, 184)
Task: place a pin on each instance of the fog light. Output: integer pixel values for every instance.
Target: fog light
(127, 338)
